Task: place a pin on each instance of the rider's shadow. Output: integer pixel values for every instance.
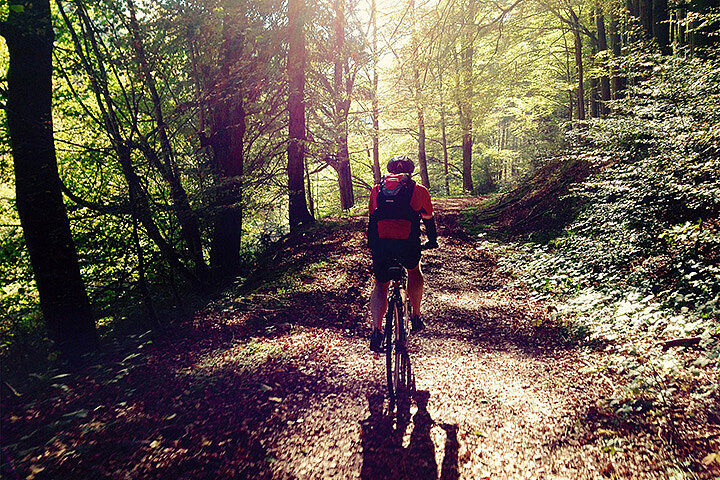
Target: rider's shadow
(382, 439)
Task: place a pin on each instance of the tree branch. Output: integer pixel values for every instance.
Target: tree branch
(98, 207)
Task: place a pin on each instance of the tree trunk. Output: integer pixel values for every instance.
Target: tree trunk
(465, 107)
(661, 26)
(443, 130)
(311, 200)
(568, 76)
(594, 99)
(347, 198)
(298, 211)
(617, 81)
(645, 15)
(227, 139)
(342, 109)
(679, 29)
(602, 45)
(579, 66)
(44, 220)
(189, 226)
(422, 158)
(228, 146)
(377, 173)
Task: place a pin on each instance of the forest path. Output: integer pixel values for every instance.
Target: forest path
(499, 396)
(276, 381)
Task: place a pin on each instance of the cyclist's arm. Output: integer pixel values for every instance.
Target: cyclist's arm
(423, 204)
(372, 230)
(428, 220)
(430, 231)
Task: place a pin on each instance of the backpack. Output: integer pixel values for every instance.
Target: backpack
(395, 203)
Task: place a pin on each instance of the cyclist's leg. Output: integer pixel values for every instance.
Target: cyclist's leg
(415, 288)
(381, 257)
(378, 303)
(411, 261)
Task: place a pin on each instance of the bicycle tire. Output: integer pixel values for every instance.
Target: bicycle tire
(399, 344)
(399, 376)
(389, 347)
(402, 355)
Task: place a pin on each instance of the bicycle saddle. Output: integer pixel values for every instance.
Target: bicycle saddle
(396, 273)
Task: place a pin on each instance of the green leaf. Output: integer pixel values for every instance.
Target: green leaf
(77, 414)
(17, 8)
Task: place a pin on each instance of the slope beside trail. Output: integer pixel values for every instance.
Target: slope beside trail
(275, 380)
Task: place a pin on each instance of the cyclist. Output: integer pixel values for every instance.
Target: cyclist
(397, 205)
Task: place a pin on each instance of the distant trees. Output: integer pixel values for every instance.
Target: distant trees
(191, 132)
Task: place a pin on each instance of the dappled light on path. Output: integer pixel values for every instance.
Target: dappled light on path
(276, 381)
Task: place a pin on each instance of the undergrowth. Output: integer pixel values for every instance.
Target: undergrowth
(638, 270)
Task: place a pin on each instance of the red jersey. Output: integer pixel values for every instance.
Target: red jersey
(397, 228)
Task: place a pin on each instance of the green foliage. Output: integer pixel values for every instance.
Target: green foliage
(640, 263)
(652, 214)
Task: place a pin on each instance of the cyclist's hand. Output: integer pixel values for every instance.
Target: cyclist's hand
(429, 244)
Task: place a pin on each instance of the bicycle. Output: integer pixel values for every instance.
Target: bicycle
(397, 323)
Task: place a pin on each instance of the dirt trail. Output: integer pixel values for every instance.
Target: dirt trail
(279, 383)
(498, 397)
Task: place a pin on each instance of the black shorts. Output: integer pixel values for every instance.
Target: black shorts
(388, 252)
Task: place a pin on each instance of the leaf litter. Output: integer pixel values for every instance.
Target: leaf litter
(275, 380)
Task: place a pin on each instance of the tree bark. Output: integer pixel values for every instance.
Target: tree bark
(63, 299)
(661, 26)
(443, 131)
(347, 197)
(465, 107)
(227, 139)
(228, 151)
(579, 66)
(422, 158)
(602, 45)
(645, 15)
(298, 211)
(679, 40)
(342, 92)
(568, 76)
(377, 173)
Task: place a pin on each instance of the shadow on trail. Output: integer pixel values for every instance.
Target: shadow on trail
(498, 325)
(382, 436)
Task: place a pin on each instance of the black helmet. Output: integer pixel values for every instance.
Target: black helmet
(400, 164)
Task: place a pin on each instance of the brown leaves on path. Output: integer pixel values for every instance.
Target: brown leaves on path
(275, 380)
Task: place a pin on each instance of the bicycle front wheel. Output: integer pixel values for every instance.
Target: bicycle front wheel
(396, 354)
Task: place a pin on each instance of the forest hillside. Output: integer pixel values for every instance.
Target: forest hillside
(184, 271)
